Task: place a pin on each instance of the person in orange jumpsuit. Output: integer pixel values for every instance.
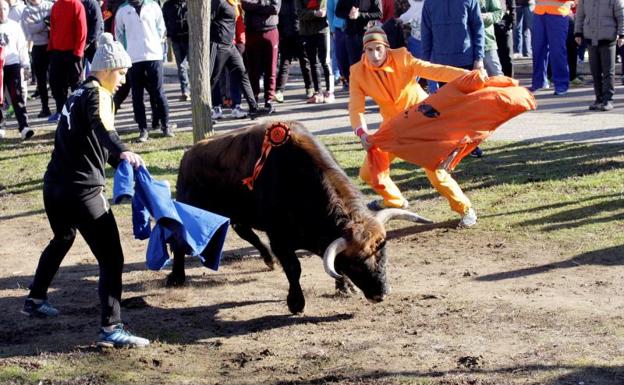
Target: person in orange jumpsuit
(389, 76)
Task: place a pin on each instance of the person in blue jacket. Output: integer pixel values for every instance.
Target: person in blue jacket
(73, 192)
(450, 38)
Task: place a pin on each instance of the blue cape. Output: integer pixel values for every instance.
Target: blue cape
(201, 233)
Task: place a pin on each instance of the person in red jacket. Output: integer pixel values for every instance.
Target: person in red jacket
(68, 35)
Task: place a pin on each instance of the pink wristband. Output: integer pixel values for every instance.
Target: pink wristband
(359, 132)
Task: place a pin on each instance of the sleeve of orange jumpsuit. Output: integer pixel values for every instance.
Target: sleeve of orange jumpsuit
(357, 103)
(431, 71)
(375, 170)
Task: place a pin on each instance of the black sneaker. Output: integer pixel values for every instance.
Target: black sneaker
(253, 113)
(379, 204)
(44, 113)
(39, 310)
(268, 108)
(595, 106)
(143, 135)
(476, 153)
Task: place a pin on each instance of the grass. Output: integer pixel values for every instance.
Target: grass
(569, 195)
(557, 191)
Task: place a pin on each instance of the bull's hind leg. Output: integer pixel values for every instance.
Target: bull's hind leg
(248, 234)
(290, 263)
(177, 277)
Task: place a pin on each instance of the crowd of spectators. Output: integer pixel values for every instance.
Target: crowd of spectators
(51, 43)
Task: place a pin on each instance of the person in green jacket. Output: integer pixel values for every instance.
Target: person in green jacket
(491, 13)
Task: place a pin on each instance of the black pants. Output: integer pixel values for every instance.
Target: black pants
(122, 93)
(40, 64)
(87, 210)
(148, 75)
(290, 47)
(13, 83)
(180, 47)
(227, 57)
(504, 40)
(572, 50)
(65, 70)
(602, 66)
(316, 50)
(89, 51)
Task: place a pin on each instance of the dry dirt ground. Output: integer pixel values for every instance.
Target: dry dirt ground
(467, 307)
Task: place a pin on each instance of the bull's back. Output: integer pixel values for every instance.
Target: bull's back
(211, 172)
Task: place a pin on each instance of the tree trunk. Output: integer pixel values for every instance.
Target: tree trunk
(199, 63)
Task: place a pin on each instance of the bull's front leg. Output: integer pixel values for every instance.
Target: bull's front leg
(177, 277)
(290, 263)
(248, 234)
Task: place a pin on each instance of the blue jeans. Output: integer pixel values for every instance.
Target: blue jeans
(492, 64)
(522, 30)
(354, 47)
(342, 56)
(180, 51)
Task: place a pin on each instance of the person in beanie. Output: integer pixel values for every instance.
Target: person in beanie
(15, 54)
(389, 77)
(73, 192)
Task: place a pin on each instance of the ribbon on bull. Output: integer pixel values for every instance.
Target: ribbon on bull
(275, 135)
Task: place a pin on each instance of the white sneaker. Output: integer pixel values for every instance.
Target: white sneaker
(238, 113)
(26, 132)
(217, 113)
(469, 219)
(2, 133)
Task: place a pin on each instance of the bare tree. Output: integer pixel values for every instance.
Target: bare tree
(199, 60)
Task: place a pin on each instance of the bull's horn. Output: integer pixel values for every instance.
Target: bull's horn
(387, 214)
(334, 248)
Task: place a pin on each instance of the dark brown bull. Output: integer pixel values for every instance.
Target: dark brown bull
(302, 199)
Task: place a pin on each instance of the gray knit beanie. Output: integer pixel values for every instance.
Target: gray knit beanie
(110, 54)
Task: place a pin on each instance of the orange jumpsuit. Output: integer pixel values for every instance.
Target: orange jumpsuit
(394, 88)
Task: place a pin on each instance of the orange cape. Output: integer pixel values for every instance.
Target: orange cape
(455, 119)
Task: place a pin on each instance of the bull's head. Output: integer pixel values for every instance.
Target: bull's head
(363, 258)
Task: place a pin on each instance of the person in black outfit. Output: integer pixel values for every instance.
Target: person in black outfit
(174, 13)
(503, 30)
(358, 14)
(223, 52)
(73, 192)
(95, 27)
(290, 47)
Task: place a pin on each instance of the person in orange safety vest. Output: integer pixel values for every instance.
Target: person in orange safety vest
(389, 76)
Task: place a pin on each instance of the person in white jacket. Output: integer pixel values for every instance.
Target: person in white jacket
(140, 27)
(15, 55)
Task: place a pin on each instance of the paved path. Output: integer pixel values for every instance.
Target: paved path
(558, 118)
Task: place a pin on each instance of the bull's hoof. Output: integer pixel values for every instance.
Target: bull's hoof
(175, 280)
(296, 302)
(268, 260)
